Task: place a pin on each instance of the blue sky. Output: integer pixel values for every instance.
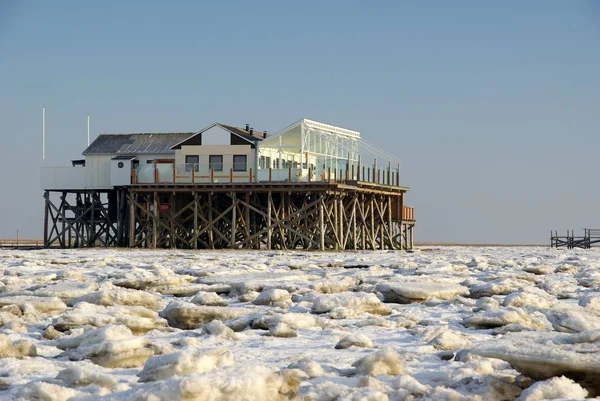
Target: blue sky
(492, 107)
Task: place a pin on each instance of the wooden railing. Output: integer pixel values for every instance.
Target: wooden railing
(351, 173)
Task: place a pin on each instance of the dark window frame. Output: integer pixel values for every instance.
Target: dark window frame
(197, 163)
(236, 165)
(211, 163)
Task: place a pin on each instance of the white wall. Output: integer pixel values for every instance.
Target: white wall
(204, 151)
(97, 171)
(120, 176)
(62, 177)
(216, 136)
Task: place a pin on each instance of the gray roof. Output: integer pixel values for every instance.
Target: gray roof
(136, 144)
(256, 136)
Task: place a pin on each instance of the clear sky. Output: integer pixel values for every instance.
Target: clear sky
(493, 107)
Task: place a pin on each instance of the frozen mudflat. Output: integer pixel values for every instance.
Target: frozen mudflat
(452, 323)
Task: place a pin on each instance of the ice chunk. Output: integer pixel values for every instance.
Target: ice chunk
(85, 376)
(282, 330)
(409, 292)
(66, 290)
(43, 391)
(552, 389)
(330, 391)
(545, 355)
(591, 303)
(121, 296)
(532, 297)
(356, 340)
(311, 368)
(357, 303)
(49, 305)
(111, 347)
(138, 318)
(384, 362)
(183, 363)
(500, 286)
(16, 349)
(185, 315)
(208, 299)
(219, 329)
(272, 296)
(572, 320)
(329, 286)
(504, 316)
(244, 383)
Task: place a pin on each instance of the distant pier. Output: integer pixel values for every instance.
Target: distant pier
(570, 241)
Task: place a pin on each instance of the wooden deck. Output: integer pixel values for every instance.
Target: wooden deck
(590, 237)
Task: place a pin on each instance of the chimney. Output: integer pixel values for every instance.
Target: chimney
(264, 134)
(247, 127)
(251, 131)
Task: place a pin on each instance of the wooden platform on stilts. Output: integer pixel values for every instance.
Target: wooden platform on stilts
(352, 215)
(590, 237)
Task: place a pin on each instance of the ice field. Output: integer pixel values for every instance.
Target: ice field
(442, 323)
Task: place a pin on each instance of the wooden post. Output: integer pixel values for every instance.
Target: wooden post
(155, 174)
(398, 175)
(212, 175)
(233, 219)
(321, 225)
(134, 176)
(358, 170)
(269, 206)
(390, 231)
(270, 176)
(352, 172)
(354, 233)
(231, 175)
(195, 238)
(211, 239)
(401, 206)
(309, 174)
(155, 222)
(46, 212)
(63, 218)
(340, 177)
(389, 173)
(378, 176)
(131, 220)
(289, 174)
(335, 224)
(251, 175)
(174, 174)
(368, 174)
(193, 175)
(341, 223)
(329, 175)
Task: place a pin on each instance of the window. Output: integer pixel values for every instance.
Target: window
(191, 163)
(261, 163)
(267, 162)
(239, 162)
(215, 162)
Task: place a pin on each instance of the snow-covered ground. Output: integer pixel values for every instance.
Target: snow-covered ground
(437, 324)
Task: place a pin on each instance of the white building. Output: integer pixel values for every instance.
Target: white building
(304, 151)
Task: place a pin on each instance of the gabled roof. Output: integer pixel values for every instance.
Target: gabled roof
(256, 136)
(136, 144)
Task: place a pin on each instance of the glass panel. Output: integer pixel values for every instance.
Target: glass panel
(239, 162)
(215, 162)
(191, 162)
